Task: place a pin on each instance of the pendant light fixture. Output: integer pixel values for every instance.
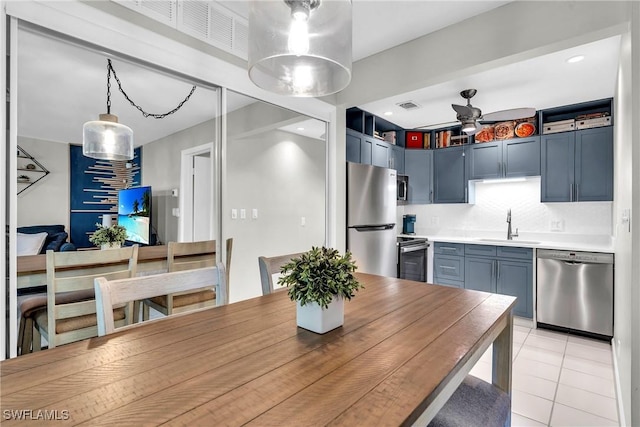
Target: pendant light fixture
(300, 47)
(106, 139)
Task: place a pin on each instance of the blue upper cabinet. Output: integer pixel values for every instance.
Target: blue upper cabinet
(577, 166)
(354, 140)
(521, 157)
(505, 159)
(485, 160)
(380, 154)
(449, 175)
(557, 167)
(594, 164)
(418, 165)
(365, 144)
(359, 147)
(396, 159)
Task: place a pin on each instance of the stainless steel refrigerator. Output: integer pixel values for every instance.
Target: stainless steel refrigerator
(371, 218)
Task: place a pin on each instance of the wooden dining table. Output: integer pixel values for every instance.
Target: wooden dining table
(403, 350)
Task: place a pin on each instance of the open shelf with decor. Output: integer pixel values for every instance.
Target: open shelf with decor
(30, 170)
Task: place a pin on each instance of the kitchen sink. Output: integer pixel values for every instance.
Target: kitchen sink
(528, 242)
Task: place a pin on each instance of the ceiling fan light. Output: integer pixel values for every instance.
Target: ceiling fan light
(468, 126)
(106, 139)
(289, 55)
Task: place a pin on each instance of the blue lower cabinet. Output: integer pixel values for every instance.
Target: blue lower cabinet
(480, 274)
(448, 270)
(502, 269)
(515, 278)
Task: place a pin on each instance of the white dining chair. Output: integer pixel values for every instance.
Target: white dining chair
(110, 293)
(270, 266)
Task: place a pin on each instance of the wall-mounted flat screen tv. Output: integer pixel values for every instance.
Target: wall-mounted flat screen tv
(134, 214)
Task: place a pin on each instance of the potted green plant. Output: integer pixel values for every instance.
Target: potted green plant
(107, 237)
(319, 281)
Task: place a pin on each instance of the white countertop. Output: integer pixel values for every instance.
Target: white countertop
(582, 243)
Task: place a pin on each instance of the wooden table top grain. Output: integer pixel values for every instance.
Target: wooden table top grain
(403, 349)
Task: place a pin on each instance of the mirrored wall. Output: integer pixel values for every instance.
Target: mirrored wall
(262, 183)
(274, 192)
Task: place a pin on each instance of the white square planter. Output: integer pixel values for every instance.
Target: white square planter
(316, 319)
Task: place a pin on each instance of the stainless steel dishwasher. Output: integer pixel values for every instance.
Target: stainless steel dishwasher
(575, 291)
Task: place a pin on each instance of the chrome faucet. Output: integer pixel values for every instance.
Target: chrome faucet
(510, 235)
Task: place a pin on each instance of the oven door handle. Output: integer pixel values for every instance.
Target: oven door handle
(406, 249)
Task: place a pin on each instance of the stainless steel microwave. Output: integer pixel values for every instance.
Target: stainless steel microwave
(403, 189)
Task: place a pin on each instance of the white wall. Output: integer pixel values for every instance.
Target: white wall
(47, 201)
(161, 170)
(623, 243)
(487, 217)
(282, 175)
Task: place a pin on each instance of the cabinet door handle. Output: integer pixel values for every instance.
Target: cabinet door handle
(431, 196)
(577, 192)
(497, 270)
(447, 248)
(446, 267)
(499, 169)
(504, 168)
(571, 194)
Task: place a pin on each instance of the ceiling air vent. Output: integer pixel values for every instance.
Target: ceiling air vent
(408, 105)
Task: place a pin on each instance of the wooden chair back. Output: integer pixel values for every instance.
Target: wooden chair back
(183, 256)
(74, 272)
(110, 293)
(270, 266)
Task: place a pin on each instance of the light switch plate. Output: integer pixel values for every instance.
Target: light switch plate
(254, 213)
(234, 213)
(243, 214)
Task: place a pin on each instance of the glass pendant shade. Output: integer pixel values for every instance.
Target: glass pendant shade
(107, 139)
(300, 47)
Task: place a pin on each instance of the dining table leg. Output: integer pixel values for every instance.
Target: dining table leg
(503, 359)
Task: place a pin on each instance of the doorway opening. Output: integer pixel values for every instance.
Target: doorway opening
(196, 215)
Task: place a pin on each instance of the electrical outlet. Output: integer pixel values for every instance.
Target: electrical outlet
(556, 225)
(254, 213)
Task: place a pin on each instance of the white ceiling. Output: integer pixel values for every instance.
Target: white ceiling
(61, 86)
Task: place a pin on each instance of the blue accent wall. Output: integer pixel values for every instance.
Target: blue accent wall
(93, 190)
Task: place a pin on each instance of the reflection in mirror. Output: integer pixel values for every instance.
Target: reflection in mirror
(274, 189)
(61, 85)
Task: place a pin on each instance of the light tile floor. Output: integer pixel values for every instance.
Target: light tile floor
(558, 379)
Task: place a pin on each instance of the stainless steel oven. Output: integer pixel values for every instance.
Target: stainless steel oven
(412, 258)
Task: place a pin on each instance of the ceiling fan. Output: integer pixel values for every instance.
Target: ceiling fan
(470, 116)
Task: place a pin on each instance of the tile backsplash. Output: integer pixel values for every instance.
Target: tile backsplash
(489, 213)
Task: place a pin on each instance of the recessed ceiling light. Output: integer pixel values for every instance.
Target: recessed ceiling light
(388, 113)
(576, 58)
(300, 128)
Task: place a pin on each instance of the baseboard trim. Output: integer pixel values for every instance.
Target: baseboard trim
(616, 379)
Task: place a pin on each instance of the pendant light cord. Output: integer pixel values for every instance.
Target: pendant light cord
(110, 69)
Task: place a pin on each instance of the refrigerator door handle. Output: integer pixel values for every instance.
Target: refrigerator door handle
(374, 227)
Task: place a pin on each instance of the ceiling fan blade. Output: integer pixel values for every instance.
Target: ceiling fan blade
(463, 110)
(438, 125)
(512, 114)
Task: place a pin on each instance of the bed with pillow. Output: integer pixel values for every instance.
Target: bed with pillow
(38, 239)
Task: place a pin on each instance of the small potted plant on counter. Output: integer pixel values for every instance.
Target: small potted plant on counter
(108, 237)
(319, 281)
